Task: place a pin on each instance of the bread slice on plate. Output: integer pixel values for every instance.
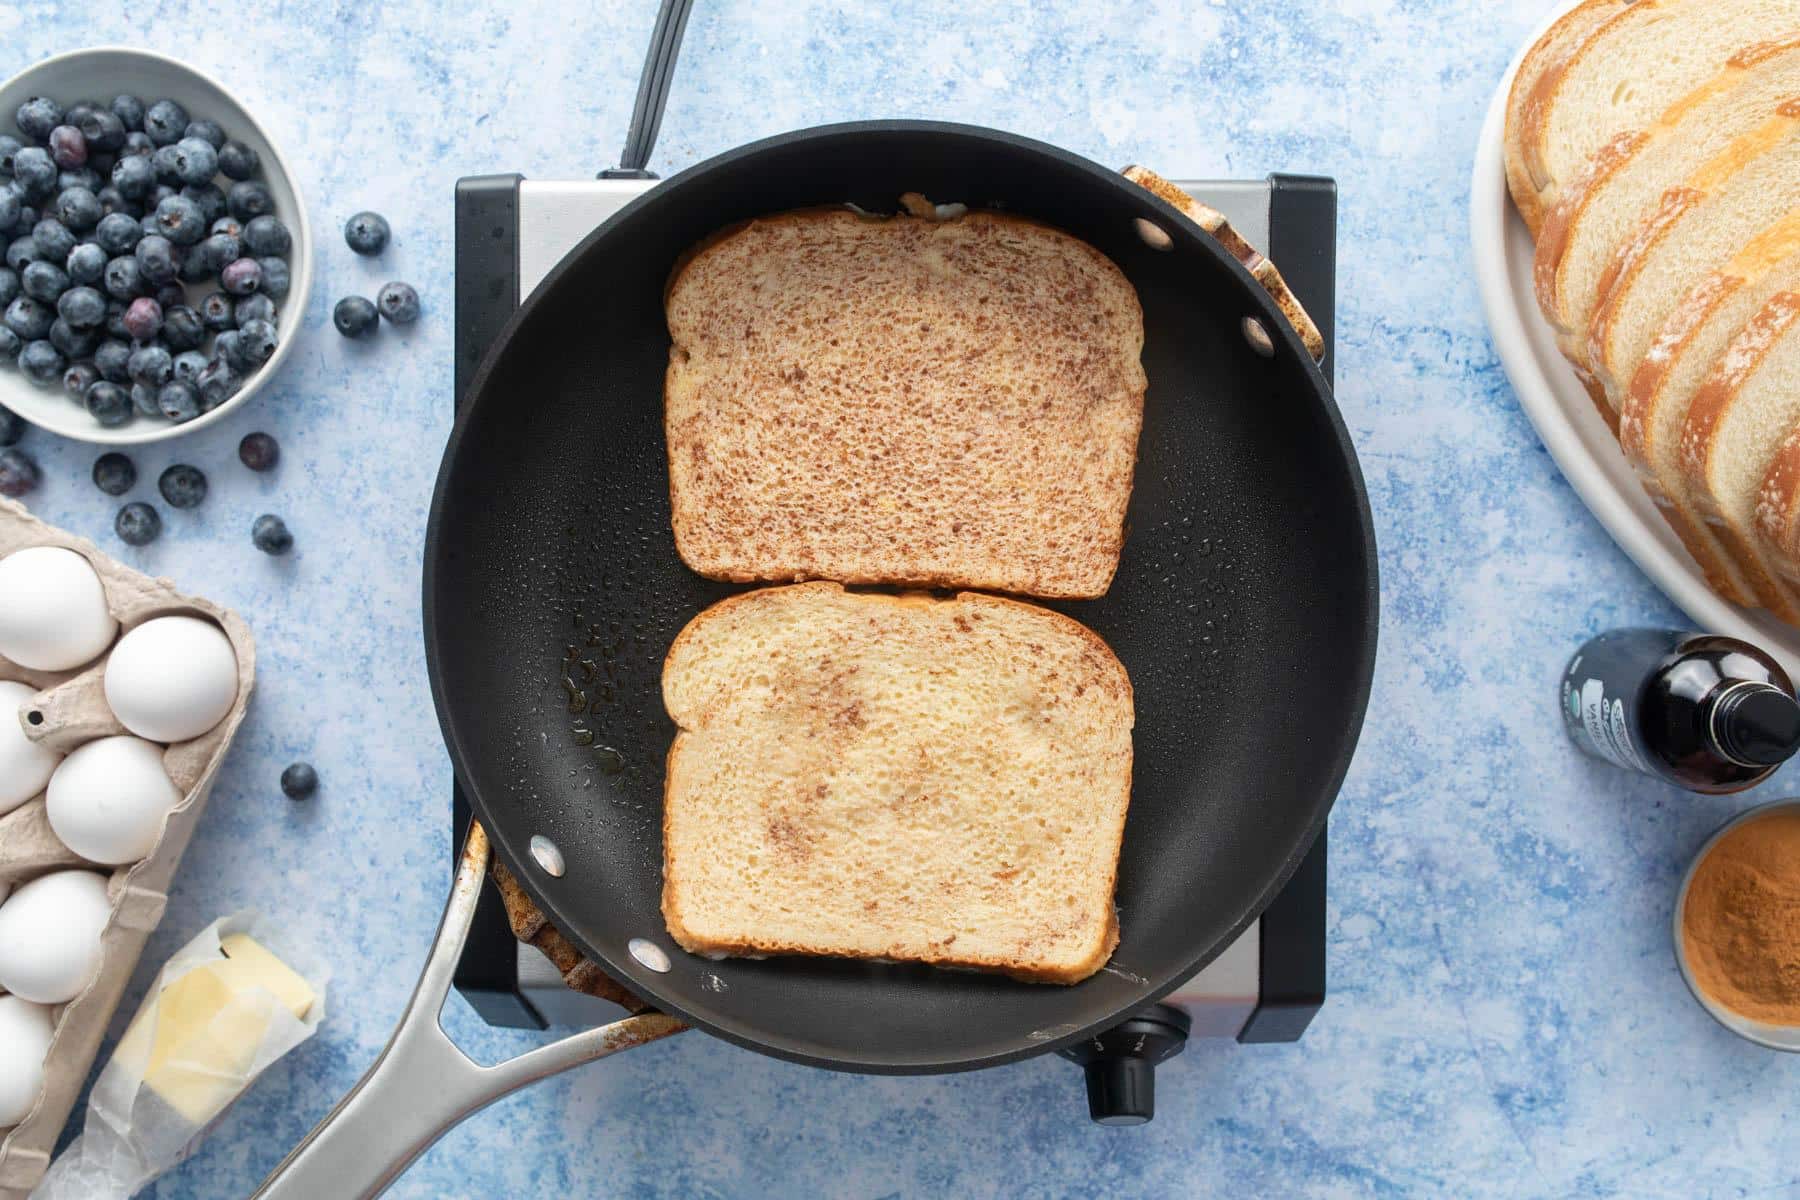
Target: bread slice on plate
(895, 777)
(1629, 71)
(1741, 416)
(1538, 70)
(937, 403)
(1752, 184)
(1705, 320)
(1623, 184)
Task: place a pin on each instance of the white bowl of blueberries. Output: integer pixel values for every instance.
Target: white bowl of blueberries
(157, 252)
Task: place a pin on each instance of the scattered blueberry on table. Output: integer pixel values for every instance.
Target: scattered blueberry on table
(269, 533)
(354, 316)
(114, 473)
(18, 472)
(258, 451)
(299, 780)
(398, 302)
(138, 524)
(367, 233)
(183, 486)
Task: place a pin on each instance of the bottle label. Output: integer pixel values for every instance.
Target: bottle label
(1599, 723)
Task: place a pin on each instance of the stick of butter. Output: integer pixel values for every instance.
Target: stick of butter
(200, 1039)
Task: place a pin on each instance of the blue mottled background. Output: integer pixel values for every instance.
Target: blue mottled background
(1505, 1018)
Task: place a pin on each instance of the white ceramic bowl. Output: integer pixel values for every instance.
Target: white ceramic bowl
(1775, 1037)
(100, 74)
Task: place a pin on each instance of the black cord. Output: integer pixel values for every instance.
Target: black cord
(653, 92)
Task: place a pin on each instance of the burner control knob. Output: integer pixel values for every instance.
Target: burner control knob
(1121, 1063)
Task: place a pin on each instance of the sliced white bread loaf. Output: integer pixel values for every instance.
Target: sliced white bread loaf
(1624, 76)
(1539, 69)
(1740, 417)
(1623, 184)
(1705, 321)
(1778, 509)
(1747, 187)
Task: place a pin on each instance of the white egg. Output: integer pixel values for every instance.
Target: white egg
(25, 1030)
(53, 613)
(108, 799)
(172, 678)
(50, 935)
(25, 766)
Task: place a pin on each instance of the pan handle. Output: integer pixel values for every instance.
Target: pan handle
(1214, 223)
(423, 1084)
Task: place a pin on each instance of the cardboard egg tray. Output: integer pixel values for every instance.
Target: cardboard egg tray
(69, 709)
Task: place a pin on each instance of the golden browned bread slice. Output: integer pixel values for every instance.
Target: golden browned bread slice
(1740, 417)
(1628, 72)
(948, 403)
(882, 777)
(1704, 321)
(1537, 74)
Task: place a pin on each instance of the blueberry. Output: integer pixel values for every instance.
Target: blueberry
(9, 146)
(267, 236)
(156, 258)
(9, 285)
(398, 302)
(275, 276)
(21, 252)
(29, 318)
(85, 177)
(189, 364)
(354, 316)
(151, 365)
(238, 161)
(169, 295)
(73, 342)
(367, 233)
(35, 173)
(124, 278)
(228, 225)
(102, 130)
(143, 398)
(10, 204)
(270, 534)
(12, 428)
(207, 131)
(137, 524)
(196, 160)
(216, 311)
(241, 277)
(18, 472)
(137, 145)
(86, 263)
(82, 307)
(114, 473)
(299, 780)
(182, 486)
(44, 280)
(134, 177)
(143, 319)
(259, 340)
(182, 328)
(78, 209)
(167, 162)
(112, 358)
(54, 240)
(28, 217)
(228, 347)
(41, 362)
(217, 383)
(68, 149)
(130, 111)
(254, 308)
(77, 378)
(180, 220)
(179, 401)
(112, 200)
(10, 342)
(247, 198)
(117, 232)
(210, 199)
(38, 116)
(214, 252)
(165, 122)
(259, 451)
(75, 112)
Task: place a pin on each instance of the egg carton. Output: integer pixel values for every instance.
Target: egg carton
(69, 709)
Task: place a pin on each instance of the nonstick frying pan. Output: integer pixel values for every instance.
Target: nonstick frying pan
(1244, 609)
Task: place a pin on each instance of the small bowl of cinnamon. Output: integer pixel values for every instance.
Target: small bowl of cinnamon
(1737, 925)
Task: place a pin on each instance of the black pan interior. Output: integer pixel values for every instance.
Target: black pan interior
(1244, 607)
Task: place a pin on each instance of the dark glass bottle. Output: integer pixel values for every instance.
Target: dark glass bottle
(1712, 714)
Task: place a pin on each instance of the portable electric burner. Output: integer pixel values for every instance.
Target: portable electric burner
(510, 232)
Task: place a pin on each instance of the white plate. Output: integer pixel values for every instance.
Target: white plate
(1565, 417)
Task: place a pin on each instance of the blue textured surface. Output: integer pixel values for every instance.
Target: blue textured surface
(1505, 1018)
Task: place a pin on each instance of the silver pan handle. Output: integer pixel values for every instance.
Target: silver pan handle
(423, 1084)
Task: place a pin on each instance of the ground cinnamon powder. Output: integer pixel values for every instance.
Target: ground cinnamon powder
(1740, 928)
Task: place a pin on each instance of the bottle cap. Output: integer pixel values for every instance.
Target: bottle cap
(1756, 724)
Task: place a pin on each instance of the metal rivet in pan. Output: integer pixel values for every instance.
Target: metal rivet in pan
(35, 717)
(547, 855)
(649, 954)
(1258, 336)
(1154, 235)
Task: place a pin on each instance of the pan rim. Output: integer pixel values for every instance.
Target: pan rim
(1342, 750)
